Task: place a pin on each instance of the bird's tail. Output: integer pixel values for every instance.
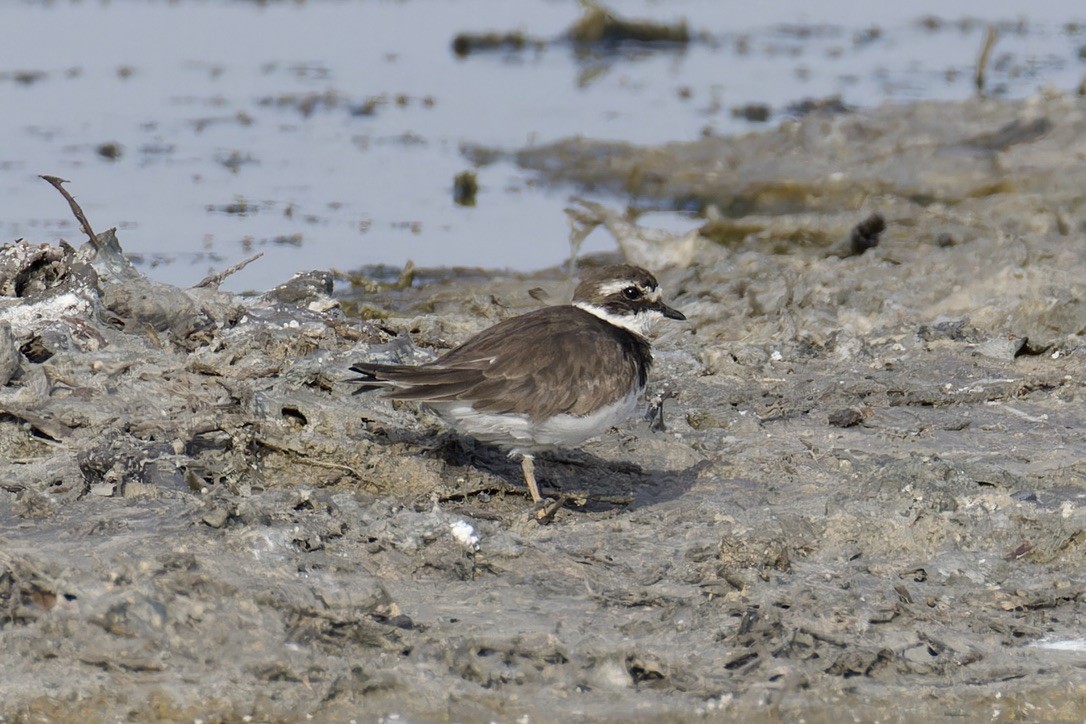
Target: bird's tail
(374, 376)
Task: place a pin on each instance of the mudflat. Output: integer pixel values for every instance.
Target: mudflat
(862, 492)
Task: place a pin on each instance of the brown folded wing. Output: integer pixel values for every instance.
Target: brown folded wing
(551, 361)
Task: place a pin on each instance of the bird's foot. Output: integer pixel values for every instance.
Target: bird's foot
(545, 510)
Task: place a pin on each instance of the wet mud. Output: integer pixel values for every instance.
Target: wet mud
(866, 495)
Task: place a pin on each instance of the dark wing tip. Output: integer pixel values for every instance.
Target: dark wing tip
(370, 379)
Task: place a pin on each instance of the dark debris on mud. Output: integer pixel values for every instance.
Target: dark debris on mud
(598, 28)
(866, 493)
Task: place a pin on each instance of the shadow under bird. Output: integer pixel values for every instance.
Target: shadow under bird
(550, 378)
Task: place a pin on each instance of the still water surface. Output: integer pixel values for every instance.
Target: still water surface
(327, 134)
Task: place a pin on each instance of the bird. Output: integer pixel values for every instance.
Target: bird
(551, 378)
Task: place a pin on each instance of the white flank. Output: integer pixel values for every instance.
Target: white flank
(640, 323)
(521, 432)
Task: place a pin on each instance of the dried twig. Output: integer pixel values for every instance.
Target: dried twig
(57, 183)
(301, 456)
(982, 61)
(215, 280)
(580, 498)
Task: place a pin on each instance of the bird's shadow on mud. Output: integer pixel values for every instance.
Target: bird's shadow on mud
(587, 482)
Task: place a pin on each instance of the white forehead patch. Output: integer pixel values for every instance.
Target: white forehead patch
(640, 323)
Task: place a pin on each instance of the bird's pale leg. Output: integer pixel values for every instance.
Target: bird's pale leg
(527, 464)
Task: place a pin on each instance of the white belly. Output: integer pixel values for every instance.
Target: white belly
(520, 432)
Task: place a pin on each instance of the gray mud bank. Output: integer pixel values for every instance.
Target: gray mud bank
(868, 499)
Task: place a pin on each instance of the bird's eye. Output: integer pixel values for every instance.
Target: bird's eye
(631, 293)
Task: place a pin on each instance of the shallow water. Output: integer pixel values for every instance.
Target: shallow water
(219, 158)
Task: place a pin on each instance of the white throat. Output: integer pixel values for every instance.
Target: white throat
(640, 323)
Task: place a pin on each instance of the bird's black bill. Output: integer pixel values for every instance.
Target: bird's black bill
(671, 312)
